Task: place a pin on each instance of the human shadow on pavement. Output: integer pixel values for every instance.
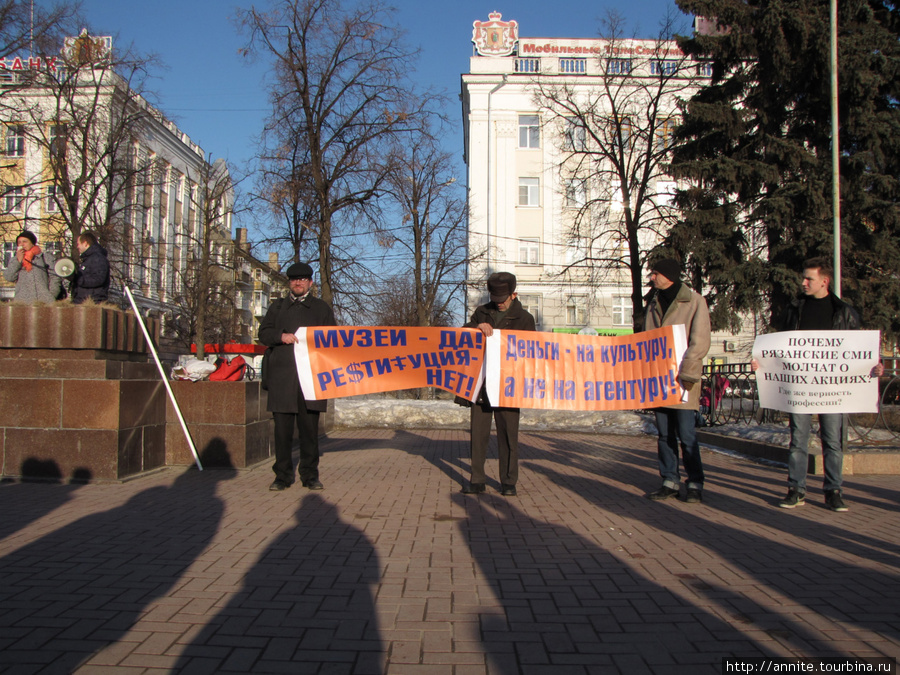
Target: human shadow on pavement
(80, 588)
(566, 602)
(22, 503)
(828, 586)
(449, 455)
(307, 605)
(764, 510)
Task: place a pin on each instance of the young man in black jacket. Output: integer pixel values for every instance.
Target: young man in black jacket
(817, 309)
(503, 312)
(92, 275)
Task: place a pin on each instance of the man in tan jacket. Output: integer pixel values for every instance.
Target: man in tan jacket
(673, 303)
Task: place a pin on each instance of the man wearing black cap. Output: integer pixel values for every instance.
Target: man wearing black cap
(286, 400)
(503, 312)
(672, 303)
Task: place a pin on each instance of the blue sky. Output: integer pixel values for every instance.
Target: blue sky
(218, 99)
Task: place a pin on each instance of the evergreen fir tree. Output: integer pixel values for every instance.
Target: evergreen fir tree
(756, 147)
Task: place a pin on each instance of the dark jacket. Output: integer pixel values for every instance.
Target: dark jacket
(845, 317)
(92, 276)
(517, 318)
(285, 316)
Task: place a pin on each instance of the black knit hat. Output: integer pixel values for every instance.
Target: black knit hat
(501, 285)
(298, 271)
(28, 235)
(668, 267)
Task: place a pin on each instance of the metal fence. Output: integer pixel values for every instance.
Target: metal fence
(729, 395)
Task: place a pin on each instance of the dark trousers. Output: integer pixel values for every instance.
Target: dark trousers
(307, 422)
(507, 420)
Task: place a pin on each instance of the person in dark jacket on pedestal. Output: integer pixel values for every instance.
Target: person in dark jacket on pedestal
(286, 400)
(503, 312)
(92, 275)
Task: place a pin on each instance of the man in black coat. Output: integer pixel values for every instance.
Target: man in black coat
(503, 312)
(286, 401)
(92, 275)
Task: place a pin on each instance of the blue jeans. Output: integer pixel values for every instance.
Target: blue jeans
(672, 424)
(832, 450)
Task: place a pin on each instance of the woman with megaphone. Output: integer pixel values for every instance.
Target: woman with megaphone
(31, 271)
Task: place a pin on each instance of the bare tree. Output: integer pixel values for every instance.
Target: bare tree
(616, 140)
(84, 112)
(206, 288)
(427, 236)
(340, 95)
(25, 27)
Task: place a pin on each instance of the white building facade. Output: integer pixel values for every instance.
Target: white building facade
(550, 194)
(150, 194)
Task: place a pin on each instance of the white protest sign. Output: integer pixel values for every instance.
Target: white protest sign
(814, 372)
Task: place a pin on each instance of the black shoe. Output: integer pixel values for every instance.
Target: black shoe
(508, 490)
(693, 496)
(473, 488)
(664, 492)
(313, 484)
(834, 502)
(278, 485)
(794, 499)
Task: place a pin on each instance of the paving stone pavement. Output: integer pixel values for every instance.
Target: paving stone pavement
(392, 570)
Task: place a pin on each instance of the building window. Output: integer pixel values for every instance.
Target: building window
(529, 191)
(58, 133)
(621, 310)
(9, 250)
(705, 69)
(664, 134)
(52, 195)
(618, 66)
(532, 305)
(529, 251)
(665, 67)
(529, 131)
(528, 65)
(573, 66)
(576, 193)
(14, 199)
(15, 140)
(576, 310)
(574, 135)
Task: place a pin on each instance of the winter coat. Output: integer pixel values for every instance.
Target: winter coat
(845, 317)
(92, 276)
(516, 318)
(688, 308)
(36, 285)
(285, 316)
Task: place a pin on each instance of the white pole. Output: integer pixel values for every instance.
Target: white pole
(835, 152)
(162, 374)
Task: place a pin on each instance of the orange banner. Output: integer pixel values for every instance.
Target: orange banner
(560, 371)
(347, 361)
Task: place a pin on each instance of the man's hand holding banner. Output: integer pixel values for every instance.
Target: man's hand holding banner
(523, 369)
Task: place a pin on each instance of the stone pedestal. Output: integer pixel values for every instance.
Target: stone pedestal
(227, 420)
(77, 394)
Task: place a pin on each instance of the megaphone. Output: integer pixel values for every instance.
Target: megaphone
(64, 267)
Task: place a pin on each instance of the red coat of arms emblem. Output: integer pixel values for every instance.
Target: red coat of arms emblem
(495, 37)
